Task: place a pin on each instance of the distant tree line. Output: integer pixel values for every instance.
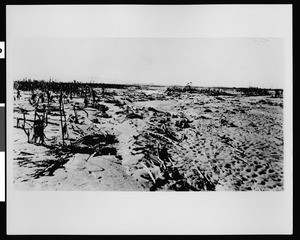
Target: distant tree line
(254, 91)
(66, 87)
(215, 91)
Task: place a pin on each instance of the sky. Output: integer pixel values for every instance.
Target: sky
(225, 62)
(220, 45)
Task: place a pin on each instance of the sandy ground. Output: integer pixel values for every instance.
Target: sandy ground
(227, 143)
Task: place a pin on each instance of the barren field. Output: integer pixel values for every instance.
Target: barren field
(146, 139)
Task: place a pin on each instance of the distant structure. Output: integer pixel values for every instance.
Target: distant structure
(276, 93)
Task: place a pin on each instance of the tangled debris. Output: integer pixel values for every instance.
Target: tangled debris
(180, 139)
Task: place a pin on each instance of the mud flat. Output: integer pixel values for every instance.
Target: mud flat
(141, 140)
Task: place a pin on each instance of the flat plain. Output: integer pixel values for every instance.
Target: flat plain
(149, 138)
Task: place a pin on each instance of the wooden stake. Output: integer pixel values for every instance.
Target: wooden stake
(61, 122)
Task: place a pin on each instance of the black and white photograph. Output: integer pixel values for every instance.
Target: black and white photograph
(190, 102)
(146, 114)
